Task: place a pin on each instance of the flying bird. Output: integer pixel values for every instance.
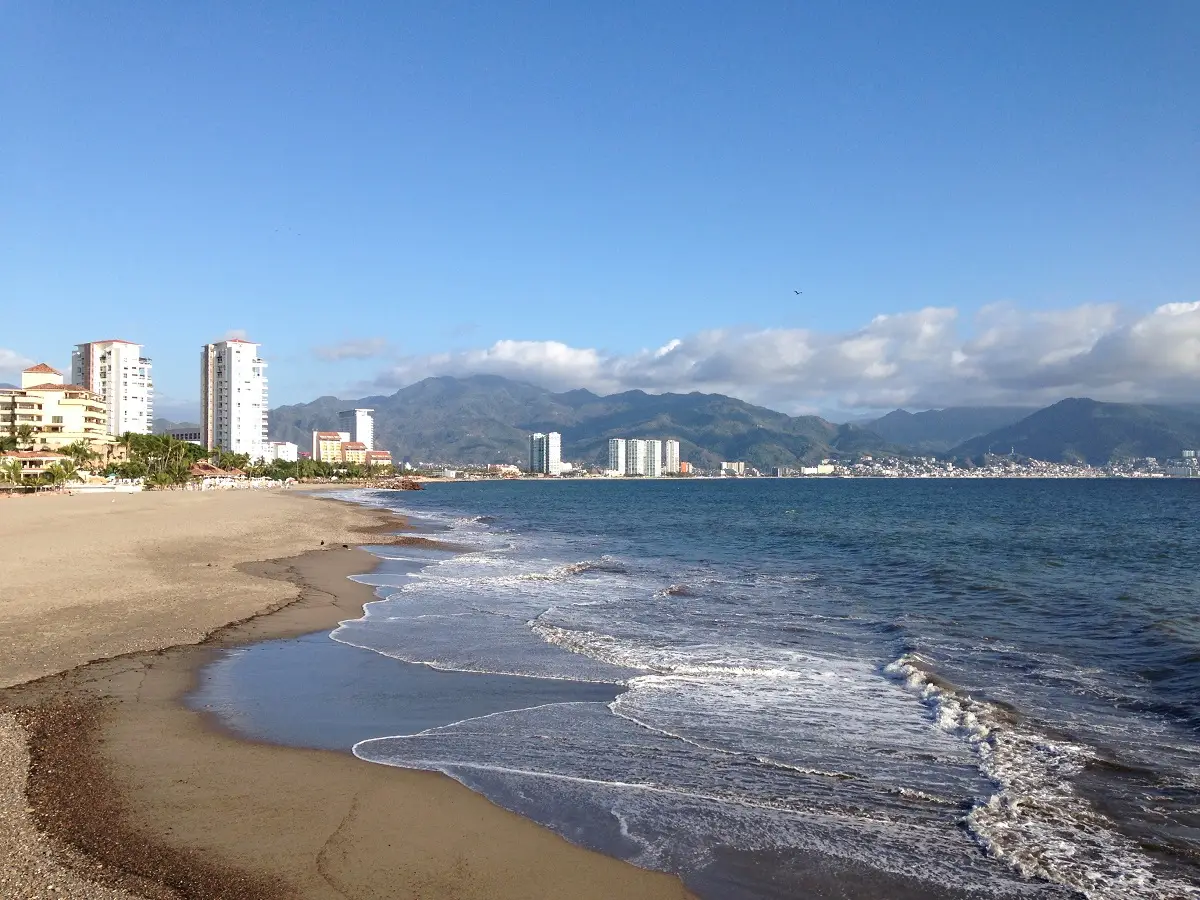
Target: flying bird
(797, 292)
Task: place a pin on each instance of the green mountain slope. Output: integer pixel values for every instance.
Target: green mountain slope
(1094, 432)
(486, 418)
(938, 430)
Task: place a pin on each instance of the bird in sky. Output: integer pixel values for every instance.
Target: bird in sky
(797, 292)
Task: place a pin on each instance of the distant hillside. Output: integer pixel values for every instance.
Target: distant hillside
(486, 418)
(5, 384)
(1093, 432)
(938, 430)
(161, 426)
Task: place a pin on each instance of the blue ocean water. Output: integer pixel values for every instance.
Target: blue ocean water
(958, 688)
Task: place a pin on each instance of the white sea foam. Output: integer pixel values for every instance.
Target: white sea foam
(1037, 822)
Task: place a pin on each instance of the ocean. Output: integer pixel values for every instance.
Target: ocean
(812, 688)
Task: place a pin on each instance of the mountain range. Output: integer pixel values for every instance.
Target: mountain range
(488, 419)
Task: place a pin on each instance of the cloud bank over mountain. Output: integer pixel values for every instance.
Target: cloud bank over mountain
(926, 358)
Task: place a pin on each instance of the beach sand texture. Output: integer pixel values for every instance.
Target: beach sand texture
(165, 804)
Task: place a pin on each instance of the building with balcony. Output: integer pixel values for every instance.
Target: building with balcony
(55, 413)
(233, 398)
(360, 425)
(117, 372)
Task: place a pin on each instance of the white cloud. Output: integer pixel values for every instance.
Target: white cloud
(235, 334)
(11, 364)
(924, 358)
(357, 348)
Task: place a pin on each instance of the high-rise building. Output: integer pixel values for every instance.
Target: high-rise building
(117, 372)
(545, 453)
(653, 458)
(635, 457)
(670, 456)
(233, 397)
(616, 455)
(360, 425)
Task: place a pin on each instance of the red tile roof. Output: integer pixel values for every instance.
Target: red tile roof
(327, 435)
(33, 454)
(43, 369)
(53, 386)
(353, 445)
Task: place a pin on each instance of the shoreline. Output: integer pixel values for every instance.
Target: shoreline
(142, 796)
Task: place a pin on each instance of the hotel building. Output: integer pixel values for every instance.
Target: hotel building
(635, 456)
(653, 458)
(233, 397)
(360, 425)
(117, 372)
(670, 457)
(327, 445)
(56, 413)
(616, 455)
(545, 453)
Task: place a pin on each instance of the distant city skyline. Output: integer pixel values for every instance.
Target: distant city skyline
(979, 205)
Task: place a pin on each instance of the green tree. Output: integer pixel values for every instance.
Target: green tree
(59, 473)
(81, 453)
(25, 436)
(10, 471)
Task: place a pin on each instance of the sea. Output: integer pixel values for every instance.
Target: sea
(786, 688)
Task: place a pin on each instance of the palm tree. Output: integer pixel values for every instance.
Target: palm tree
(59, 473)
(80, 452)
(25, 436)
(10, 471)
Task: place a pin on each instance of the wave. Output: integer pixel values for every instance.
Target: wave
(1036, 821)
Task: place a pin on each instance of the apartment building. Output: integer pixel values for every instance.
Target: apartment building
(233, 397)
(670, 456)
(327, 445)
(616, 455)
(545, 453)
(360, 425)
(117, 372)
(653, 458)
(635, 456)
(56, 413)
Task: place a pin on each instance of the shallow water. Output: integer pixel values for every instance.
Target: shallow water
(834, 688)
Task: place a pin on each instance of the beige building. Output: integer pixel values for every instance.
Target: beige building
(57, 414)
(327, 446)
(354, 452)
(34, 462)
(379, 458)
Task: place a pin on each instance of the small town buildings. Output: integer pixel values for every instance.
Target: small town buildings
(233, 397)
(360, 425)
(56, 413)
(116, 371)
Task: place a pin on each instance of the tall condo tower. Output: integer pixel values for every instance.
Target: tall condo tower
(117, 371)
(635, 457)
(670, 456)
(653, 458)
(545, 453)
(616, 455)
(360, 424)
(233, 397)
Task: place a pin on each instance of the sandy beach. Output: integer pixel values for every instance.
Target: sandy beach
(111, 788)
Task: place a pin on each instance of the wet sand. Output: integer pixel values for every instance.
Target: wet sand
(134, 794)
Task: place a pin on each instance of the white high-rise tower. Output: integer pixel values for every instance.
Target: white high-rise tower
(653, 458)
(117, 371)
(233, 398)
(545, 453)
(670, 456)
(616, 455)
(360, 425)
(635, 457)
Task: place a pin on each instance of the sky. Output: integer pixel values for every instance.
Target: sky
(991, 203)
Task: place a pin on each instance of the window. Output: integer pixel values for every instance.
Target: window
(56, 420)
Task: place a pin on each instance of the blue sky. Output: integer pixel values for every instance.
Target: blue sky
(613, 195)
